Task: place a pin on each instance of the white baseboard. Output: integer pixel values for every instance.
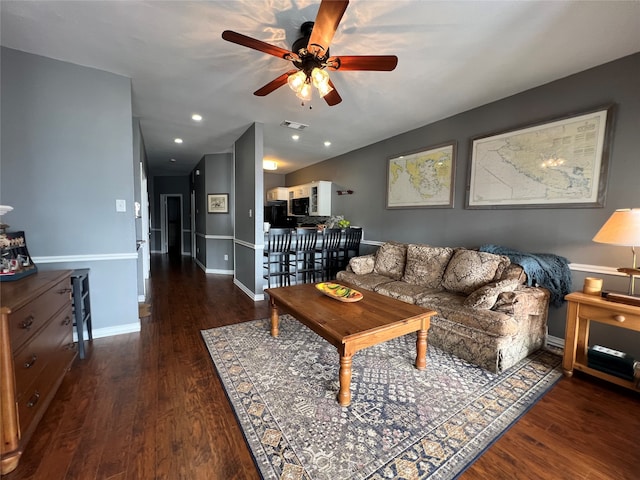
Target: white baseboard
(256, 297)
(110, 331)
(217, 271)
(555, 341)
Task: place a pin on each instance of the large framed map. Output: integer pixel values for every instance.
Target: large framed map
(422, 179)
(557, 164)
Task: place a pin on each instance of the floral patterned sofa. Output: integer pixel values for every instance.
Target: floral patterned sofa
(487, 314)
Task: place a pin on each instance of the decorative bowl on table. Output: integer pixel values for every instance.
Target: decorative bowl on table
(339, 292)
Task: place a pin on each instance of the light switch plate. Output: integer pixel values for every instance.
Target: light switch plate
(121, 205)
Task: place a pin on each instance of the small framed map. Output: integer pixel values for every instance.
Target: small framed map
(422, 179)
(558, 164)
(218, 203)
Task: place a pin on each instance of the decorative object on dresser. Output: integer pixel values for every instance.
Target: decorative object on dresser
(15, 261)
(623, 228)
(36, 350)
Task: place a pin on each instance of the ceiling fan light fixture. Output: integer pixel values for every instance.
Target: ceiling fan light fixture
(319, 77)
(305, 92)
(324, 89)
(297, 80)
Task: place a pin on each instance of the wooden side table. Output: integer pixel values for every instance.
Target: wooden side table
(581, 311)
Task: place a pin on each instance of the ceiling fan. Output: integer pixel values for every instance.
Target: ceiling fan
(310, 56)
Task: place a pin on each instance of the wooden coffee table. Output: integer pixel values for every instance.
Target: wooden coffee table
(351, 326)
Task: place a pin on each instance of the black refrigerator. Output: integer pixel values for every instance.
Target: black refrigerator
(276, 214)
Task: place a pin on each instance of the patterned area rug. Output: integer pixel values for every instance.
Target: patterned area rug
(402, 423)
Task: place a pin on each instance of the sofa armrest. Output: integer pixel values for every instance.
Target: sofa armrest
(523, 302)
(361, 265)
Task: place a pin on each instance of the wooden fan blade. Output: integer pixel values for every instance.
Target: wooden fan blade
(380, 63)
(259, 45)
(274, 84)
(333, 97)
(327, 21)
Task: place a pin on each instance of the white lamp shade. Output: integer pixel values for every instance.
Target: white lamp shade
(622, 228)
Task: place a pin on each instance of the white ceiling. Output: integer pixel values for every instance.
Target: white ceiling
(453, 56)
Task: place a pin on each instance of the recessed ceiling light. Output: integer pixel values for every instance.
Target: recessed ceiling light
(196, 117)
(327, 143)
(173, 160)
(295, 137)
(178, 140)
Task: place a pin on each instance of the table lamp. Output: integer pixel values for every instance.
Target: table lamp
(623, 228)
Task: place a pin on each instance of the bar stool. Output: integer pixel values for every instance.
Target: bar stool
(351, 246)
(303, 254)
(327, 263)
(276, 257)
(81, 306)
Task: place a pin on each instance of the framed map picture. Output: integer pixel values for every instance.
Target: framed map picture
(422, 179)
(218, 203)
(557, 164)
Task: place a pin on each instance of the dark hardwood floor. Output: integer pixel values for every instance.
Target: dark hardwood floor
(150, 406)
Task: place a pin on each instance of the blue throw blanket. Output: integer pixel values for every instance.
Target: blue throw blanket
(543, 269)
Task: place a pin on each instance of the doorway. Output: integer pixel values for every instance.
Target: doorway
(172, 224)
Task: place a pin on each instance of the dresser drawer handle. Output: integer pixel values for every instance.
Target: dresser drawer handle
(27, 322)
(619, 318)
(30, 363)
(62, 291)
(66, 321)
(34, 399)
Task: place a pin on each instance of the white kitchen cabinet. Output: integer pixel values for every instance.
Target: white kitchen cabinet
(299, 191)
(320, 199)
(277, 193)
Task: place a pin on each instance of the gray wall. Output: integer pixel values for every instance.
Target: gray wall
(563, 231)
(272, 180)
(67, 155)
(214, 231)
(249, 188)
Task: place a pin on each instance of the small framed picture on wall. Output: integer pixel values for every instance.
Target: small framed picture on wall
(218, 203)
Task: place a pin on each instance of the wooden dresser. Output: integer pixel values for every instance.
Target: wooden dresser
(36, 350)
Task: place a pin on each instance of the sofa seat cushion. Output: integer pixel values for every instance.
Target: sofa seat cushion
(402, 291)
(368, 281)
(426, 265)
(390, 260)
(451, 306)
(469, 270)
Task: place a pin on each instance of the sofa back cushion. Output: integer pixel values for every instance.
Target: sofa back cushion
(514, 272)
(469, 270)
(390, 260)
(426, 265)
(362, 265)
